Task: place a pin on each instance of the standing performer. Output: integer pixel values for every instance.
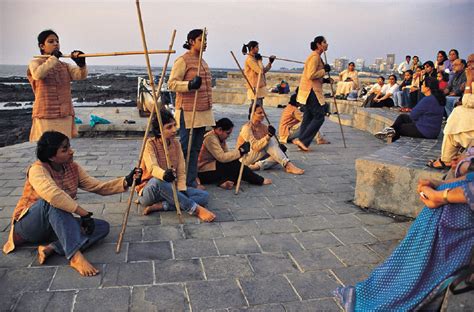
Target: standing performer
(311, 93)
(184, 81)
(218, 164)
(45, 209)
(50, 80)
(253, 65)
(155, 192)
(259, 136)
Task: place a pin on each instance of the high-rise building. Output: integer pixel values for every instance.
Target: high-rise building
(390, 63)
(379, 63)
(340, 64)
(359, 64)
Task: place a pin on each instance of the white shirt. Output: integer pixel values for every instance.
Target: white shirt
(387, 88)
(404, 66)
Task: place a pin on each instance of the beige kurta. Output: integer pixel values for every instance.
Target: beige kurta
(251, 69)
(343, 86)
(65, 125)
(177, 84)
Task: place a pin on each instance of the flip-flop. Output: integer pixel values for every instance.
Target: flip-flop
(443, 166)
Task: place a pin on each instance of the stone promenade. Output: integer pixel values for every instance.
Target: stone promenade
(282, 247)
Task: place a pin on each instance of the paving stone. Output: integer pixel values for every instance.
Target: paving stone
(312, 223)
(278, 243)
(272, 289)
(128, 274)
(386, 232)
(313, 285)
(277, 226)
(276, 307)
(315, 208)
(343, 221)
(162, 233)
(384, 249)
(315, 259)
(205, 230)
(317, 239)
(249, 213)
(236, 245)
(355, 254)
(311, 305)
(66, 278)
(240, 228)
(105, 253)
(132, 234)
(159, 298)
(279, 212)
(105, 299)
(194, 248)
(174, 271)
(353, 236)
(215, 294)
(21, 257)
(353, 274)
(171, 218)
(373, 219)
(226, 267)
(149, 251)
(271, 264)
(46, 301)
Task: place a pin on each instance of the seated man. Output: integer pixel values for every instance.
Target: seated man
(282, 88)
(455, 88)
(45, 210)
(374, 91)
(218, 164)
(156, 190)
(384, 98)
(400, 95)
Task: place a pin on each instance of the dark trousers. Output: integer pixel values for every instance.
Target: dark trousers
(313, 119)
(198, 138)
(405, 126)
(229, 172)
(384, 103)
(43, 223)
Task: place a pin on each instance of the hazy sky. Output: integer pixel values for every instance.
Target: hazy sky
(353, 28)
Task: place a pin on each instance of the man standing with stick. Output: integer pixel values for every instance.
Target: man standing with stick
(311, 93)
(190, 78)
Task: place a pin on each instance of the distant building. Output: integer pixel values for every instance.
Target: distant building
(340, 64)
(359, 64)
(390, 62)
(379, 64)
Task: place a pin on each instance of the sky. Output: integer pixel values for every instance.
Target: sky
(353, 28)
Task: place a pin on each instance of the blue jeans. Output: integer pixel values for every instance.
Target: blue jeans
(44, 222)
(156, 191)
(450, 100)
(397, 98)
(313, 119)
(198, 138)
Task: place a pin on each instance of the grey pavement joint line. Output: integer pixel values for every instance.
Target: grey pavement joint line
(342, 243)
(336, 277)
(256, 242)
(296, 239)
(242, 291)
(295, 262)
(74, 300)
(292, 287)
(338, 258)
(370, 233)
(173, 256)
(215, 245)
(201, 263)
(188, 299)
(52, 279)
(153, 270)
(249, 263)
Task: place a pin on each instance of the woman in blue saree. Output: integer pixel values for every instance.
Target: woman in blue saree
(438, 243)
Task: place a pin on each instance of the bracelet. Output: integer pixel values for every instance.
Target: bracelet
(467, 88)
(445, 195)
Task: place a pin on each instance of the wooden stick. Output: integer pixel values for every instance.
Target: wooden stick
(335, 103)
(239, 179)
(190, 137)
(283, 59)
(253, 91)
(112, 53)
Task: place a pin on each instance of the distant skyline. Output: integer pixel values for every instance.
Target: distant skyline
(356, 29)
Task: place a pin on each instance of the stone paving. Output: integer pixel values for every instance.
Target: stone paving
(282, 247)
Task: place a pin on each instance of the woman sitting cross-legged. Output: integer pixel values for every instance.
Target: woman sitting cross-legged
(424, 120)
(218, 164)
(260, 137)
(155, 192)
(45, 210)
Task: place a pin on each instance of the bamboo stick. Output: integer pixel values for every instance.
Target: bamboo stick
(190, 137)
(112, 53)
(335, 102)
(239, 179)
(283, 59)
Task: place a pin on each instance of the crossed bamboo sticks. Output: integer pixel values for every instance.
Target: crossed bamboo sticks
(112, 53)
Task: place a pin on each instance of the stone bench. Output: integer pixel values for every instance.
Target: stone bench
(386, 180)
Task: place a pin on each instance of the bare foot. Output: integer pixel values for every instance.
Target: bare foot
(300, 145)
(81, 265)
(201, 187)
(152, 208)
(204, 215)
(267, 181)
(254, 167)
(322, 141)
(290, 168)
(44, 252)
(227, 185)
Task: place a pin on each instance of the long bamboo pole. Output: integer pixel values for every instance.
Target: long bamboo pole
(254, 104)
(335, 102)
(253, 91)
(190, 137)
(284, 59)
(112, 53)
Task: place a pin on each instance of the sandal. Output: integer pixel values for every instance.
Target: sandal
(443, 166)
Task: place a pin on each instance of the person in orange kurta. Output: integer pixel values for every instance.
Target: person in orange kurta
(51, 79)
(45, 209)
